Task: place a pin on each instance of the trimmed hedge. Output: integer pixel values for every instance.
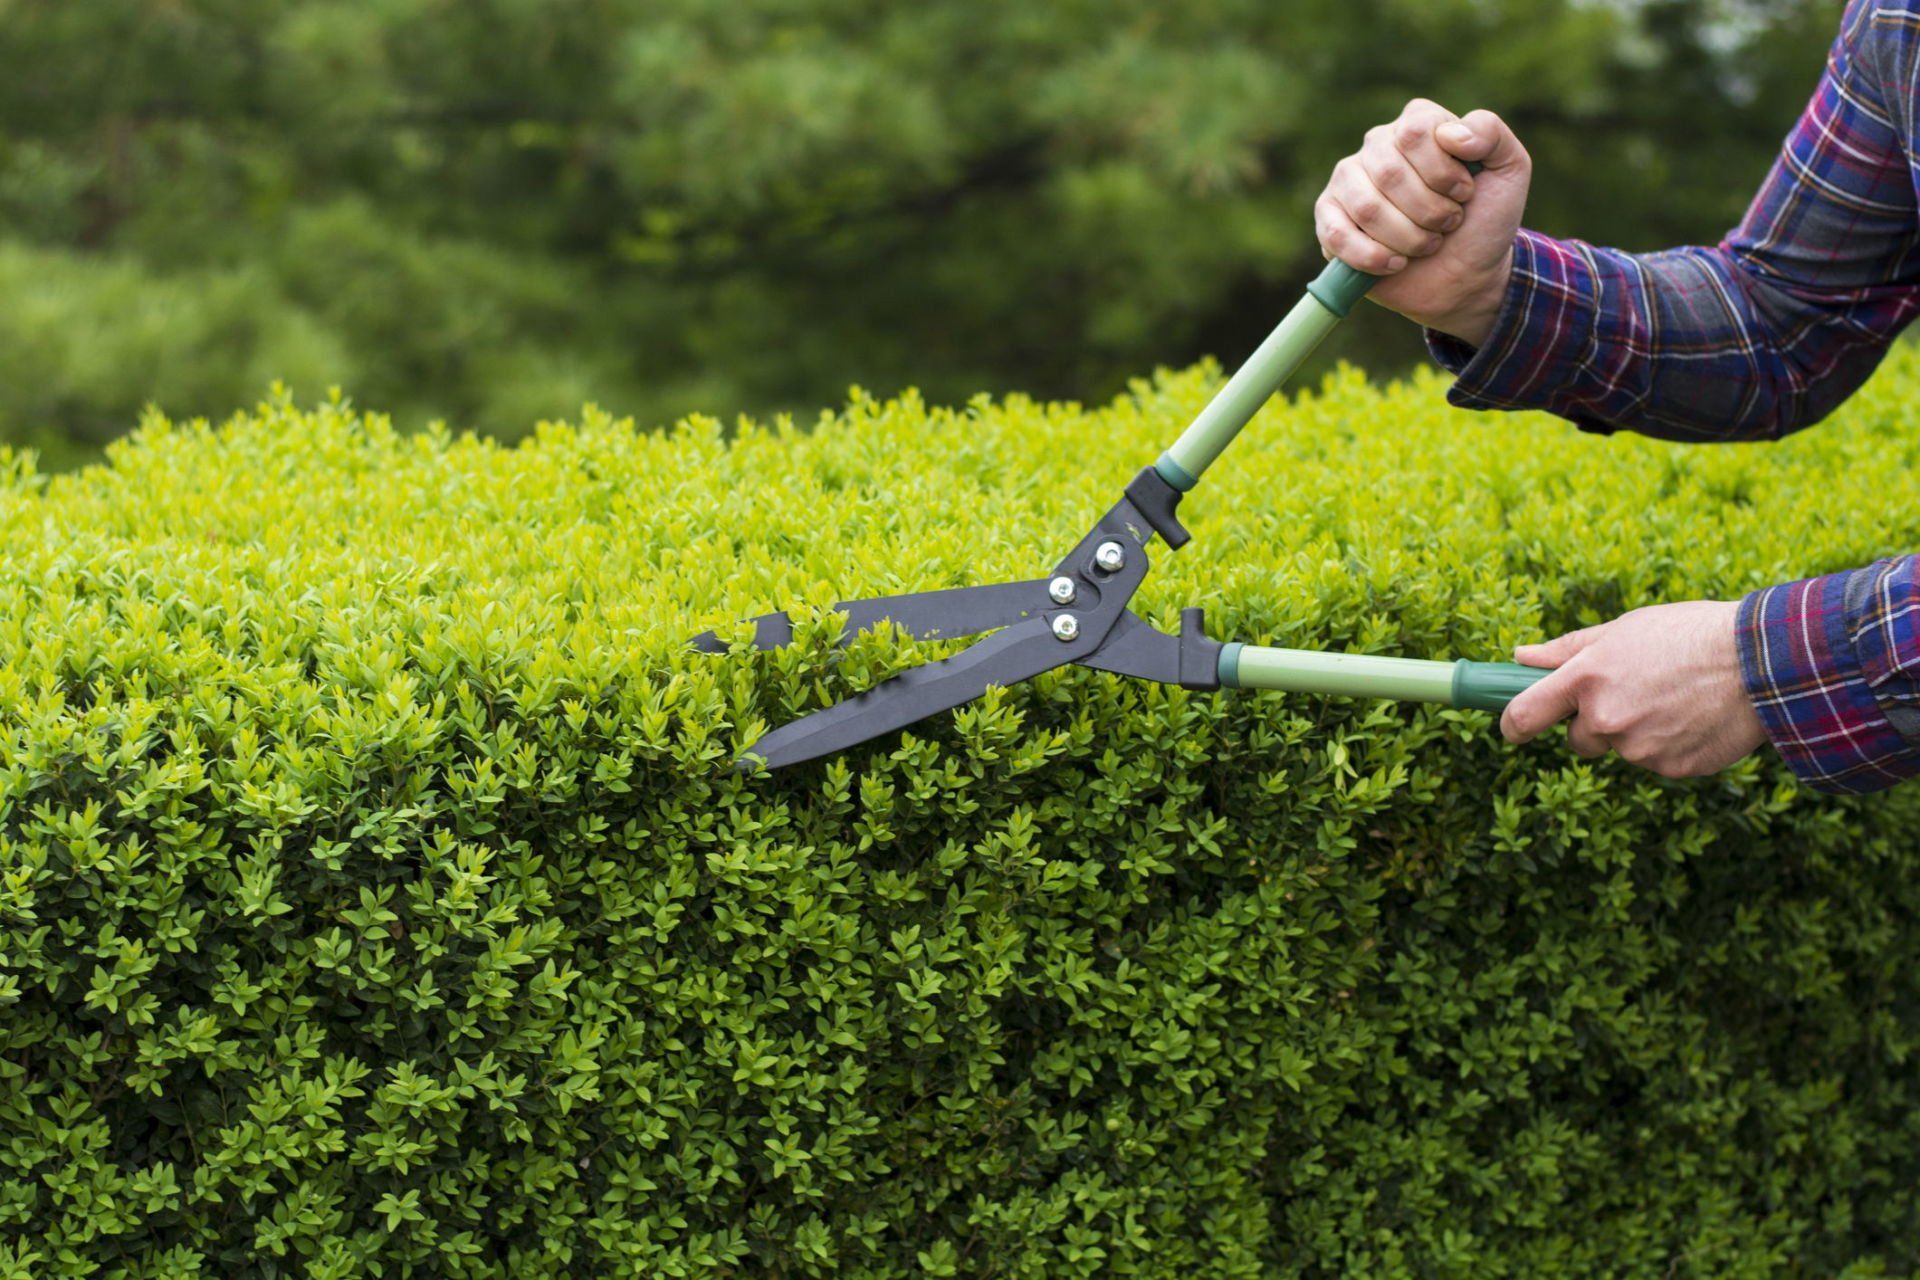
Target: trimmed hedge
(376, 898)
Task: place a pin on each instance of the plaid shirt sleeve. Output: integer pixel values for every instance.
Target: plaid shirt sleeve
(1756, 337)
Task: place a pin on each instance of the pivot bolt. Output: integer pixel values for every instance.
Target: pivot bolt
(1110, 556)
(1061, 590)
(1066, 627)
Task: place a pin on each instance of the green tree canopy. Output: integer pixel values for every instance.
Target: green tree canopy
(497, 209)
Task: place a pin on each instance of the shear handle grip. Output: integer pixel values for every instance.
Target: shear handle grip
(1490, 686)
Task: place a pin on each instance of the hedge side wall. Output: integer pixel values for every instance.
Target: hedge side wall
(375, 898)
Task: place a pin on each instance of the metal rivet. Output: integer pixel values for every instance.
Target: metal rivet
(1066, 627)
(1110, 556)
(1061, 589)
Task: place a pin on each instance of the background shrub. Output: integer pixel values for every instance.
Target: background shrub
(375, 898)
(689, 204)
(85, 342)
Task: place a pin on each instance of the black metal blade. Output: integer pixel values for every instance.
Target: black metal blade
(1015, 654)
(955, 611)
(925, 615)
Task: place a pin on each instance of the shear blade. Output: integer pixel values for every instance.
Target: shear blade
(1018, 653)
(926, 615)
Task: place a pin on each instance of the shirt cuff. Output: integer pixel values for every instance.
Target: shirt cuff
(1805, 677)
(1535, 349)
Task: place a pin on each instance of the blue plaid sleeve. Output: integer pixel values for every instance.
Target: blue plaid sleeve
(1756, 337)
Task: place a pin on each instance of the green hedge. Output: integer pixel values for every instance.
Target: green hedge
(376, 899)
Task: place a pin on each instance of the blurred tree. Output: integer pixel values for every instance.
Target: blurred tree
(490, 210)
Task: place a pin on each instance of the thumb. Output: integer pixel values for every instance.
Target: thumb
(1483, 136)
(1557, 651)
(1534, 711)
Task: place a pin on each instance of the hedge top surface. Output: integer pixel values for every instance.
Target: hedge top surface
(1349, 519)
(376, 896)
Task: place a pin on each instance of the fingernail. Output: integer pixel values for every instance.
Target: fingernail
(1452, 221)
(1462, 189)
(1456, 132)
(1396, 263)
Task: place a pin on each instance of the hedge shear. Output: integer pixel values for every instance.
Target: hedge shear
(1079, 614)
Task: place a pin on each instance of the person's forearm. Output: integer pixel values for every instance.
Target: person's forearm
(1687, 344)
(1753, 338)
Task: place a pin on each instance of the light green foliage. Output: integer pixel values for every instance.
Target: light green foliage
(490, 208)
(376, 897)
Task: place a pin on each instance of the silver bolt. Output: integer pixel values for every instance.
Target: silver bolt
(1110, 556)
(1061, 589)
(1066, 627)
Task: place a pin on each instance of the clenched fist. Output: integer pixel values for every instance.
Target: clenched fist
(1405, 207)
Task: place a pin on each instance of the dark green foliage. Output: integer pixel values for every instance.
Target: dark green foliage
(484, 210)
(376, 898)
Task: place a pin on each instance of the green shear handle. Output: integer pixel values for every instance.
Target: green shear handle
(1328, 300)
(1480, 686)
(1484, 686)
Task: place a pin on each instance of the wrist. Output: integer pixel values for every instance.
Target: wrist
(1473, 319)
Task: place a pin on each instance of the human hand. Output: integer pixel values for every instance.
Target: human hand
(1660, 686)
(1405, 208)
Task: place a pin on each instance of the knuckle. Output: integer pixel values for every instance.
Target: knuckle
(1606, 720)
(1409, 133)
(1365, 208)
